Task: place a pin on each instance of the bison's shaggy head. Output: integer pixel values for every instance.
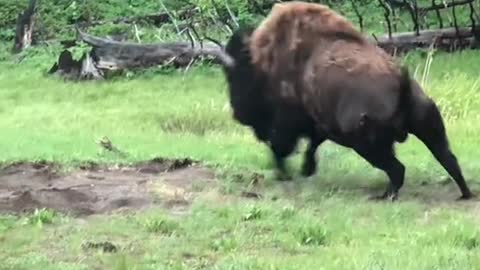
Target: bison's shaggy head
(247, 97)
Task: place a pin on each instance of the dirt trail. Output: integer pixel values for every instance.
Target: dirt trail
(96, 189)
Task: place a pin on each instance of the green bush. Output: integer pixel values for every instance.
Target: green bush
(57, 17)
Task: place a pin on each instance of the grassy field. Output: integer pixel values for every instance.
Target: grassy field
(322, 223)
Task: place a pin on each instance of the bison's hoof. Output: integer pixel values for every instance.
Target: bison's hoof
(377, 198)
(385, 197)
(466, 197)
(308, 171)
(282, 176)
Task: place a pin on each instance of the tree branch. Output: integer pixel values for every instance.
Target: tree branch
(357, 12)
(386, 15)
(445, 5)
(454, 14)
(439, 16)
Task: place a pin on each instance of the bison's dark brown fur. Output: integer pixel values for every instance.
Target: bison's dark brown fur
(306, 71)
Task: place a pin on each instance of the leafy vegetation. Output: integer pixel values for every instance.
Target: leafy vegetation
(57, 18)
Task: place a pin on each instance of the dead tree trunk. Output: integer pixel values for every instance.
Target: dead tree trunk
(448, 39)
(24, 30)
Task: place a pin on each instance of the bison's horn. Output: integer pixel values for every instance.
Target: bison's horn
(225, 59)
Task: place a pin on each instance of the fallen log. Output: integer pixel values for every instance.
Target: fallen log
(108, 55)
(114, 55)
(447, 39)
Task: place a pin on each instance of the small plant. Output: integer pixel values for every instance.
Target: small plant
(253, 213)
(121, 262)
(6, 223)
(312, 235)
(105, 246)
(42, 216)
(225, 244)
(469, 241)
(375, 262)
(223, 212)
(287, 212)
(79, 50)
(229, 186)
(472, 242)
(461, 234)
(161, 225)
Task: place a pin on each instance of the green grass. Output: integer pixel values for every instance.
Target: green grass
(325, 224)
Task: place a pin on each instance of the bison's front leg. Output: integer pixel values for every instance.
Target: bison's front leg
(310, 163)
(282, 144)
(384, 158)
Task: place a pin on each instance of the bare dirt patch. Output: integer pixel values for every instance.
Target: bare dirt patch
(97, 189)
(171, 184)
(426, 193)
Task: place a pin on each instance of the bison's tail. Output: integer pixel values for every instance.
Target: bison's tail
(405, 90)
(404, 104)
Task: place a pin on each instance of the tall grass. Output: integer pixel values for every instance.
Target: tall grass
(169, 113)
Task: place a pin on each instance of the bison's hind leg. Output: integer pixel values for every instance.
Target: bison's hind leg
(431, 131)
(383, 157)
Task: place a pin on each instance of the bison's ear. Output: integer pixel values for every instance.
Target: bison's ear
(240, 38)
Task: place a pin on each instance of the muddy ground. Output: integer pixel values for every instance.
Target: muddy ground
(97, 189)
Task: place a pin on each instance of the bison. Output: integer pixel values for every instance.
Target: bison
(305, 71)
